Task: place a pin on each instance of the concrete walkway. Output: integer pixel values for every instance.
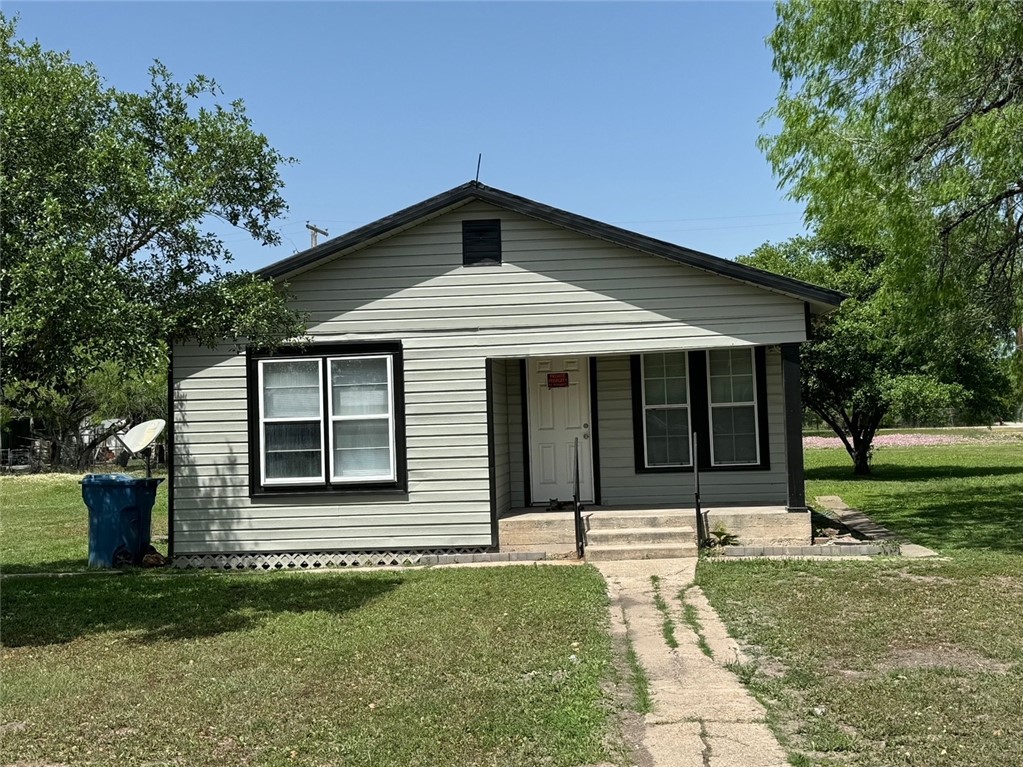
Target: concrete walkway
(702, 715)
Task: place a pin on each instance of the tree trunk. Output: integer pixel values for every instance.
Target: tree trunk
(861, 460)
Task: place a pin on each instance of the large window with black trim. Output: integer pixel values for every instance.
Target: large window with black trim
(733, 407)
(715, 399)
(665, 396)
(326, 418)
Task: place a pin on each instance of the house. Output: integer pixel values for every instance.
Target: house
(460, 349)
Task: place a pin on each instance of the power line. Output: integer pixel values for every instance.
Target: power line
(726, 228)
(705, 218)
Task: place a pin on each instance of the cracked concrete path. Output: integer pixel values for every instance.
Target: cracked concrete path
(702, 715)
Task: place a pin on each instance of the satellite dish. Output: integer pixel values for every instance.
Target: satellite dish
(140, 437)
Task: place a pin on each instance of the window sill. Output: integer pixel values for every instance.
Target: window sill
(703, 469)
(329, 492)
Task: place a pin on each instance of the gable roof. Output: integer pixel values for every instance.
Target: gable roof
(821, 298)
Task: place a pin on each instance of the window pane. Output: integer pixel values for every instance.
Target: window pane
(721, 421)
(656, 423)
(742, 388)
(657, 451)
(359, 386)
(746, 449)
(742, 361)
(667, 436)
(734, 434)
(720, 362)
(720, 389)
(724, 449)
(653, 365)
(292, 450)
(368, 462)
(678, 451)
(655, 392)
(675, 364)
(744, 420)
(362, 449)
(678, 422)
(291, 389)
(664, 378)
(675, 391)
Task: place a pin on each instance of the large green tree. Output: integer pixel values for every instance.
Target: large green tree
(900, 125)
(867, 361)
(109, 244)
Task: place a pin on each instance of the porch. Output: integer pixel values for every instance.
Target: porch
(641, 422)
(647, 532)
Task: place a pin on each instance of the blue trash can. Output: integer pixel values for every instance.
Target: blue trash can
(120, 517)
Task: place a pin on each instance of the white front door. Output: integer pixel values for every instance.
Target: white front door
(559, 412)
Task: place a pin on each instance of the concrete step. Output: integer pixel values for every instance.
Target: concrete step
(647, 551)
(635, 520)
(625, 536)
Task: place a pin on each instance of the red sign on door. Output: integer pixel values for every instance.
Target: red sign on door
(557, 380)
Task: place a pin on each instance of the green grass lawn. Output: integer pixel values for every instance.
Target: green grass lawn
(44, 526)
(418, 667)
(894, 662)
(412, 667)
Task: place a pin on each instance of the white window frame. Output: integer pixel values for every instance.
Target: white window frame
(756, 410)
(263, 420)
(332, 419)
(688, 407)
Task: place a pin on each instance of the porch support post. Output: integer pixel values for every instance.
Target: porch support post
(495, 541)
(793, 427)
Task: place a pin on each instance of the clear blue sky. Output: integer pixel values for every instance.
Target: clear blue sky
(642, 115)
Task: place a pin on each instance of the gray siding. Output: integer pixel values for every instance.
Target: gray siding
(556, 293)
(621, 484)
(448, 501)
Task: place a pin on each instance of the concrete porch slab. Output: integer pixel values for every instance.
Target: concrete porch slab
(536, 529)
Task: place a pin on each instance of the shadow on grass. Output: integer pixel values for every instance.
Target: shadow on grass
(56, 566)
(43, 611)
(887, 472)
(974, 518)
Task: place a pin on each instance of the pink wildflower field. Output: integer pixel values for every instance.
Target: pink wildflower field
(915, 440)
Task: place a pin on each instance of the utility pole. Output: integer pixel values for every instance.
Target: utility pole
(313, 231)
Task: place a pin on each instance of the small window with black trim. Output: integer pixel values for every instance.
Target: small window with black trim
(327, 419)
(481, 242)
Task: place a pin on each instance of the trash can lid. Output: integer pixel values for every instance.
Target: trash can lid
(107, 479)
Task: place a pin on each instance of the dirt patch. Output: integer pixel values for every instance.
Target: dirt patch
(941, 657)
(769, 667)
(12, 727)
(1009, 582)
(923, 578)
(35, 763)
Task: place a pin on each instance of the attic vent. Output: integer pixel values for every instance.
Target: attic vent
(481, 242)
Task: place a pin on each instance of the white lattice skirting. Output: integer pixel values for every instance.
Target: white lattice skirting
(314, 560)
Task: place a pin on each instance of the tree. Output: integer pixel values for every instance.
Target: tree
(901, 128)
(108, 202)
(865, 362)
(110, 398)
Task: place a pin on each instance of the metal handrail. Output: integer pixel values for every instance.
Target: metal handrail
(701, 523)
(580, 533)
